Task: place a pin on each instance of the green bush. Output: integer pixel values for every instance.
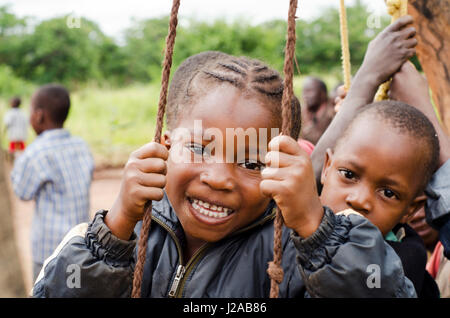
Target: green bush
(11, 85)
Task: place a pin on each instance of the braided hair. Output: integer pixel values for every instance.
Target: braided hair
(197, 74)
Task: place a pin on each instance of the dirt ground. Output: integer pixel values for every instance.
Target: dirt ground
(105, 186)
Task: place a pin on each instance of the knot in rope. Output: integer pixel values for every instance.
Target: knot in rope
(275, 272)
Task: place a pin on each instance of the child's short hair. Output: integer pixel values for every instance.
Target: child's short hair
(55, 99)
(212, 68)
(15, 101)
(321, 84)
(406, 120)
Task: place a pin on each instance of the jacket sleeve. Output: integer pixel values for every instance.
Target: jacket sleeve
(89, 262)
(437, 207)
(348, 257)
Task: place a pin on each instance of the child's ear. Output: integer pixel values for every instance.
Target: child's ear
(415, 206)
(40, 116)
(165, 139)
(326, 165)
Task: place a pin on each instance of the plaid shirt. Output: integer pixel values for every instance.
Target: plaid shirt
(55, 170)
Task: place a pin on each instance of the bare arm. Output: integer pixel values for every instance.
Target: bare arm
(412, 88)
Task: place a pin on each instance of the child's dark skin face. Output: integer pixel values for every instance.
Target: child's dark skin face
(39, 118)
(229, 185)
(313, 96)
(374, 171)
(239, 185)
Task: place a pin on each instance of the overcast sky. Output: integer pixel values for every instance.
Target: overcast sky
(114, 16)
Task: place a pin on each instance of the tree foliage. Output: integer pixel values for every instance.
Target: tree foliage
(51, 51)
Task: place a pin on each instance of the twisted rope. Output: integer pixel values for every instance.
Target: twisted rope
(397, 9)
(344, 46)
(275, 270)
(167, 64)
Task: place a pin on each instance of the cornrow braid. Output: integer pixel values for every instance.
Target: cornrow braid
(234, 68)
(213, 68)
(221, 77)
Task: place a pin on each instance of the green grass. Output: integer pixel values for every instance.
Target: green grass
(114, 121)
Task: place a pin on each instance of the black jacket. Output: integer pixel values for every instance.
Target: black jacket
(333, 262)
(413, 255)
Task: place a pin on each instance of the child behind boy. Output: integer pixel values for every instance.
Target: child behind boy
(16, 124)
(56, 171)
(379, 168)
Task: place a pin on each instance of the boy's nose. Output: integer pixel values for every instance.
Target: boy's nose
(359, 200)
(218, 176)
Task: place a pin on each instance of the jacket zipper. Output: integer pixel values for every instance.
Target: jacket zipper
(188, 269)
(179, 281)
(180, 272)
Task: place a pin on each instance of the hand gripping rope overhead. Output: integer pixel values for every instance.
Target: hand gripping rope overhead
(396, 8)
(275, 271)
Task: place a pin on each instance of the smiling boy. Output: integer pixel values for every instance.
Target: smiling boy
(381, 164)
(379, 168)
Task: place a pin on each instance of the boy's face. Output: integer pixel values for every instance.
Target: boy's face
(312, 94)
(36, 115)
(374, 171)
(200, 192)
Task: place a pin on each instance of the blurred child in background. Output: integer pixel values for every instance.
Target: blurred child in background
(16, 125)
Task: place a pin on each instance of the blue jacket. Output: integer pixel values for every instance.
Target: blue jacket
(437, 207)
(339, 260)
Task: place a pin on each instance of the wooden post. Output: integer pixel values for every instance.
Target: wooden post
(11, 276)
(431, 19)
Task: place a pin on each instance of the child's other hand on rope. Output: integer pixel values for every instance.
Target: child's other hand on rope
(341, 93)
(144, 179)
(390, 49)
(289, 179)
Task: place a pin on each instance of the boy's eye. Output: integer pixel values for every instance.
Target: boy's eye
(347, 174)
(252, 165)
(388, 193)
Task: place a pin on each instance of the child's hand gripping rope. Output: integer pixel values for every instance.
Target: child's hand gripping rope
(389, 50)
(143, 179)
(289, 179)
(386, 54)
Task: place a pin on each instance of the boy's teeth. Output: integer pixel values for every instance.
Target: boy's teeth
(211, 210)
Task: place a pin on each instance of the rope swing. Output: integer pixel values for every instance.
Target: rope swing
(396, 9)
(275, 271)
(143, 237)
(344, 46)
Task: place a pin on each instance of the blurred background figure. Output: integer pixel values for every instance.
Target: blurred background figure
(317, 111)
(55, 171)
(16, 126)
(429, 235)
